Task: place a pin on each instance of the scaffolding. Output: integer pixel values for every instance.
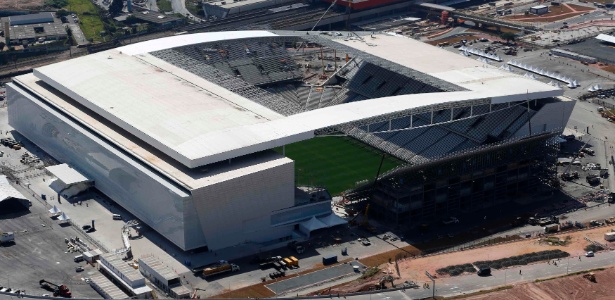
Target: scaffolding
(468, 180)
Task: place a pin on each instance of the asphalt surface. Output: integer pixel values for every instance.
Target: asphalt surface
(39, 252)
(471, 283)
(314, 277)
(593, 48)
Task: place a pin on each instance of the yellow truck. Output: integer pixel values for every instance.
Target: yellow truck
(222, 266)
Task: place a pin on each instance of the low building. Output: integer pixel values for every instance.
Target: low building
(607, 39)
(106, 288)
(574, 55)
(223, 8)
(162, 276)
(158, 19)
(10, 196)
(26, 29)
(539, 9)
(129, 278)
(68, 182)
(39, 18)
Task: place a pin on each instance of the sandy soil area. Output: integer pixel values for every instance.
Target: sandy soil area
(556, 13)
(414, 269)
(571, 287)
(22, 4)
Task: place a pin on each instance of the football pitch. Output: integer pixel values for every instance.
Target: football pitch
(336, 163)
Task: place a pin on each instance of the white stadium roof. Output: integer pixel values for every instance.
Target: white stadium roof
(197, 122)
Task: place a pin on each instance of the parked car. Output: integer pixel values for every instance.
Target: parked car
(589, 254)
(79, 269)
(484, 271)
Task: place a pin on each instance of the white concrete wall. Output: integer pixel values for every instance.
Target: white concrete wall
(239, 211)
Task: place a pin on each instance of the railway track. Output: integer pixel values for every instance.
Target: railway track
(257, 18)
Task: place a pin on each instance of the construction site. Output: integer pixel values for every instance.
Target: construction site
(314, 162)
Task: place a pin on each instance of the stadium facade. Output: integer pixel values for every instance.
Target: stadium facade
(179, 130)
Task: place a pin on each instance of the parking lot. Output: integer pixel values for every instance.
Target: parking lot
(39, 252)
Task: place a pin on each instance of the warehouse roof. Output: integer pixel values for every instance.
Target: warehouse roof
(121, 266)
(107, 287)
(232, 3)
(163, 270)
(43, 17)
(197, 122)
(155, 17)
(67, 174)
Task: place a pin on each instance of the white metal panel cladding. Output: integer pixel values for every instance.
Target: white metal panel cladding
(239, 211)
(151, 198)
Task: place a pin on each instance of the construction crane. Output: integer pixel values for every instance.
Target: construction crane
(58, 290)
(126, 238)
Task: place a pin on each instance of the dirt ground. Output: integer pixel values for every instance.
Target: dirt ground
(570, 287)
(413, 269)
(609, 68)
(556, 13)
(22, 4)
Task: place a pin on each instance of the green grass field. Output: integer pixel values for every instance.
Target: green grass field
(336, 163)
(164, 5)
(91, 24)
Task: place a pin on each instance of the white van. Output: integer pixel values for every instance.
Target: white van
(117, 217)
(78, 258)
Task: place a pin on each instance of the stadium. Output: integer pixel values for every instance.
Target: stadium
(240, 138)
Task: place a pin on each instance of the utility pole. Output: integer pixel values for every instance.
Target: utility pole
(433, 282)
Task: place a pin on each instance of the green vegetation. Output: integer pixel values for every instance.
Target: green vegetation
(56, 3)
(370, 272)
(522, 259)
(556, 241)
(91, 22)
(456, 270)
(164, 6)
(194, 7)
(336, 163)
(504, 262)
(594, 248)
(116, 7)
(508, 36)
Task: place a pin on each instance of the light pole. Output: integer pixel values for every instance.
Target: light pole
(505, 272)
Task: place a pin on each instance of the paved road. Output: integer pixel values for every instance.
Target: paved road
(471, 283)
(78, 34)
(179, 6)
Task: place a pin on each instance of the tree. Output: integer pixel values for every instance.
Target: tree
(116, 7)
(508, 36)
(62, 13)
